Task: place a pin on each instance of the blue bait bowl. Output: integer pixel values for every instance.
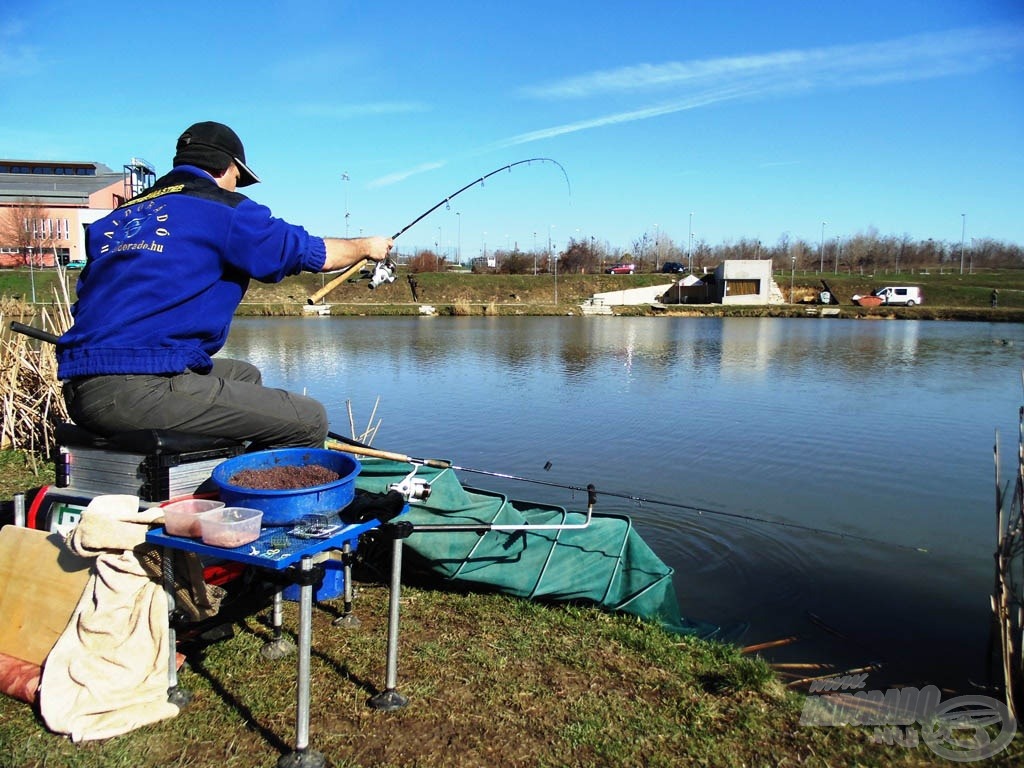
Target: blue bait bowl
(287, 506)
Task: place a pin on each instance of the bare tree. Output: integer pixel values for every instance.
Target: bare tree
(581, 256)
(513, 262)
(426, 261)
(28, 227)
(640, 247)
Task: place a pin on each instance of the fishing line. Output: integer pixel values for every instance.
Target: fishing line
(354, 446)
(696, 509)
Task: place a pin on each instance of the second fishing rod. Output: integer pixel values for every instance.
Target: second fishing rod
(354, 446)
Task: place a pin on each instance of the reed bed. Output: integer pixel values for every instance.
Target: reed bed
(1008, 595)
(31, 404)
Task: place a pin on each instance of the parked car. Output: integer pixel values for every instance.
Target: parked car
(621, 269)
(670, 267)
(75, 265)
(909, 295)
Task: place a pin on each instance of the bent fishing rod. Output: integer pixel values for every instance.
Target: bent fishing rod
(354, 446)
(446, 201)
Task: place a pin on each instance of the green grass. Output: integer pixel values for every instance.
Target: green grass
(19, 472)
(491, 680)
(948, 295)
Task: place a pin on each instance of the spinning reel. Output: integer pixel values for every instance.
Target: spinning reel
(383, 272)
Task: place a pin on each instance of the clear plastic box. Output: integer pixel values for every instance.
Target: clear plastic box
(230, 527)
(181, 518)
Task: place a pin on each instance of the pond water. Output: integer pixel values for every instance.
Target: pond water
(862, 443)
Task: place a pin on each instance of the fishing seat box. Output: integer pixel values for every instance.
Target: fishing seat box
(154, 465)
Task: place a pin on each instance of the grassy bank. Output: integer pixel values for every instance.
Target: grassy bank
(948, 295)
(491, 680)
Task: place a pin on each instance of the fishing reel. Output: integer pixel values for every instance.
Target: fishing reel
(412, 488)
(384, 272)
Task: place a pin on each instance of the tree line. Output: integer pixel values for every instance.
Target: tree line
(863, 253)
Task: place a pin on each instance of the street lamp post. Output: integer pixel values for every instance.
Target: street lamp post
(344, 177)
(839, 251)
(31, 273)
(689, 246)
(792, 281)
(458, 243)
(550, 227)
(821, 248)
(963, 231)
(556, 281)
(657, 249)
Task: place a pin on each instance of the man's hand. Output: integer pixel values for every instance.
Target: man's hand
(378, 248)
(344, 252)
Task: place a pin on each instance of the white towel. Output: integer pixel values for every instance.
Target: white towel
(107, 673)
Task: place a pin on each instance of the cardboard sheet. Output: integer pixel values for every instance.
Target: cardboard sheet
(40, 585)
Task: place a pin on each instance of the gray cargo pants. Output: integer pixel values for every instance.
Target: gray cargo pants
(229, 401)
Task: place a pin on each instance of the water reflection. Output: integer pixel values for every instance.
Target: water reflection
(878, 429)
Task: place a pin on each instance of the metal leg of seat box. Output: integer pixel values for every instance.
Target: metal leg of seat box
(347, 618)
(303, 756)
(390, 699)
(278, 646)
(175, 694)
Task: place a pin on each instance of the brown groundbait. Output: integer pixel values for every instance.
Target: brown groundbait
(284, 477)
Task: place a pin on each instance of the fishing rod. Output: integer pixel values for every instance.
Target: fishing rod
(446, 201)
(354, 446)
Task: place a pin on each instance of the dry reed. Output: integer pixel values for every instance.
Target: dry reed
(31, 403)
(1008, 595)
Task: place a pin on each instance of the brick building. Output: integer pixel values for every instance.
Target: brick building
(45, 206)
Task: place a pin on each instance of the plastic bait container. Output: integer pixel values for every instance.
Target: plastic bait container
(230, 527)
(181, 518)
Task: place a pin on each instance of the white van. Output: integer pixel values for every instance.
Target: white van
(908, 295)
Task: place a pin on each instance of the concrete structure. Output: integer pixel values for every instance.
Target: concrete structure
(744, 281)
(630, 296)
(732, 282)
(737, 281)
(45, 206)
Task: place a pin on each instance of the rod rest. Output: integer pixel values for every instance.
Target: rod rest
(146, 441)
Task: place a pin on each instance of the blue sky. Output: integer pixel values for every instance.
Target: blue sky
(752, 120)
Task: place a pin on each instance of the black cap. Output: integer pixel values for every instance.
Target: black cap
(213, 146)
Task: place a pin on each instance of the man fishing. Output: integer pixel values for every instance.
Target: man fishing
(165, 273)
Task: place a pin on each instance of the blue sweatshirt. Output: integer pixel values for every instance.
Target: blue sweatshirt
(166, 272)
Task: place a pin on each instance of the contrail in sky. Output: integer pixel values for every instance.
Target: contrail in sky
(699, 83)
(909, 58)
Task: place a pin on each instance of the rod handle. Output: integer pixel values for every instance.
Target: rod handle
(347, 446)
(365, 450)
(313, 299)
(35, 333)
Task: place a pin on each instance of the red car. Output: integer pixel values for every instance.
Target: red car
(621, 269)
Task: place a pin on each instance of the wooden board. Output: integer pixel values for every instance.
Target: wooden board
(40, 585)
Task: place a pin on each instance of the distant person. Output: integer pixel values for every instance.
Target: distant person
(994, 298)
(165, 273)
(413, 286)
